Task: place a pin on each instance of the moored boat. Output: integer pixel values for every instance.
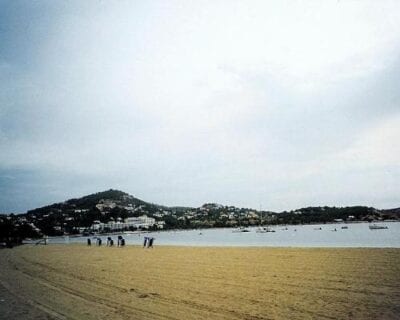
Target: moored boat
(265, 230)
(241, 229)
(377, 227)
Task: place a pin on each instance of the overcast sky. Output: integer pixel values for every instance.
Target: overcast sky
(251, 103)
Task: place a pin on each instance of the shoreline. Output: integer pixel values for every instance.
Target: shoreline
(357, 235)
(213, 246)
(253, 226)
(226, 228)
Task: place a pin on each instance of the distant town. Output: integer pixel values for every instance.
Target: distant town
(116, 211)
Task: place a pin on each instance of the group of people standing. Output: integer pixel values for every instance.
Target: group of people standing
(110, 242)
(148, 242)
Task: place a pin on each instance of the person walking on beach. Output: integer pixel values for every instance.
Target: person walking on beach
(89, 242)
(119, 241)
(145, 242)
(151, 240)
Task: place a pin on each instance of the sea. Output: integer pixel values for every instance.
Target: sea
(340, 235)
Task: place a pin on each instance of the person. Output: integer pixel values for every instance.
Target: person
(111, 242)
(145, 242)
(108, 241)
(151, 240)
(89, 242)
(122, 242)
(99, 242)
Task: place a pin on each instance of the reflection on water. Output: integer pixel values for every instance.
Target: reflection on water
(324, 235)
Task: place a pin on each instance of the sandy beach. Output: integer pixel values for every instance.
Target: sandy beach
(79, 282)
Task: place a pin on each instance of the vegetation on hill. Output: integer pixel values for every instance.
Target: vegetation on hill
(78, 215)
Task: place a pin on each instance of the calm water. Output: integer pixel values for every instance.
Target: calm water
(357, 235)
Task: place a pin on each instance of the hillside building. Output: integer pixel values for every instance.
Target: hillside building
(142, 222)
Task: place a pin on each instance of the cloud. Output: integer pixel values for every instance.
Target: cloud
(181, 103)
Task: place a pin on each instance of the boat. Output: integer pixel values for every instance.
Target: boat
(241, 229)
(376, 227)
(344, 227)
(264, 230)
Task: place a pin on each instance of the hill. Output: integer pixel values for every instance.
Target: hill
(107, 198)
(73, 214)
(78, 215)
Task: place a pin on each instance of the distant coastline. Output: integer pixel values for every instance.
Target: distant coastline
(114, 211)
(330, 235)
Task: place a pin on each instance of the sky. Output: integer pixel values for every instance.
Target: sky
(264, 104)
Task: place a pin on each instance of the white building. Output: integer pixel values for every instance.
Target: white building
(142, 222)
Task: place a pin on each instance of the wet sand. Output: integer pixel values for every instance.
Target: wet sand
(79, 282)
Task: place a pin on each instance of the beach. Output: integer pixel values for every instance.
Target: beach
(172, 282)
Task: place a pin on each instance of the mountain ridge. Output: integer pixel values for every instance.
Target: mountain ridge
(126, 198)
(78, 215)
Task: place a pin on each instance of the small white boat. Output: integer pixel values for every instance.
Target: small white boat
(241, 229)
(376, 227)
(265, 230)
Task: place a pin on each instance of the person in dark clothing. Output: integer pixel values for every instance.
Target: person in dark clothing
(122, 242)
(111, 242)
(99, 242)
(89, 242)
(145, 242)
(119, 241)
(151, 240)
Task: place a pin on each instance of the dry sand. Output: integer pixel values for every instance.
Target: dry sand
(79, 282)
